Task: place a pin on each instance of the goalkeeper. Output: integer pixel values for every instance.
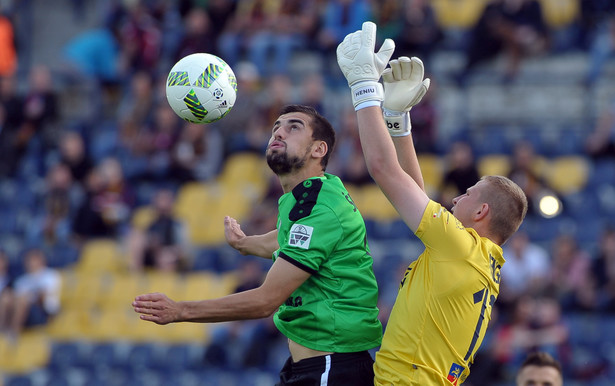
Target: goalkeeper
(446, 296)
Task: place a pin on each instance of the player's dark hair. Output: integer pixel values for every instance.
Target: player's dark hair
(541, 359)
(322, 130)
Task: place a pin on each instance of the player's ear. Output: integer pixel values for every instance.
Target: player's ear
(481, 212)
(320, 149)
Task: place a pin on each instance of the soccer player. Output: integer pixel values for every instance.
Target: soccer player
(540, 369)
(321, 281)
(446, 296)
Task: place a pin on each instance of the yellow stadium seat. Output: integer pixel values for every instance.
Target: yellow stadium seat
(373, 204)
(567, 174)
(460, 14)
(70, 324)
(29, 352)
(198, 285)
(101, 256)
(247, 172)
(433, 172)
(560, 13)
(81, 289)
(121, 289)
(493, 164)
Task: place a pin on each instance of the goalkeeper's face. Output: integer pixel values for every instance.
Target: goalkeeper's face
(290, 145)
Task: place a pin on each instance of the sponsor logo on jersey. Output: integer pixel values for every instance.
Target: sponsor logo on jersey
(454, 373)
(300, 236)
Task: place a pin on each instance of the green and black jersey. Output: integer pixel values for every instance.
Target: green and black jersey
(321, 231)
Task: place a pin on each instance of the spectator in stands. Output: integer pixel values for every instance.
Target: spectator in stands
(162, 241)
(420, 32)
(5, 274)
(140, 37)
(108, 203)
(197, 154)
(513, 27)
(34, 298)
(527, 267)
(136, 113)
(286, 29)
(41, 109)
(313, 91)
(570, 270)
(198, 35)
(600, 143)
(11, 120)
(349, 162)
(603, 269)
(53, 226)
(461, 173)
(527, 171)
(73, 154)
(536, 324)
(338, 19)
(244, 118)
(540, 368)
(89, 222)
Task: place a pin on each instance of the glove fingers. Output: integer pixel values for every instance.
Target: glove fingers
(368, 35)
(386, 51)
(387, 76)
(395, 69)
(405, 67)
(418, 71)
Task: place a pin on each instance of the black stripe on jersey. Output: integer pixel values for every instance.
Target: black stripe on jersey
(306, 195)
(297, 264)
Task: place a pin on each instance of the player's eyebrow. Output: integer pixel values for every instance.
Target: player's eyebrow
(291, 120)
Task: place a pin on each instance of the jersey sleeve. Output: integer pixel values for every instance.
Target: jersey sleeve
(311, 239)
(440, 231)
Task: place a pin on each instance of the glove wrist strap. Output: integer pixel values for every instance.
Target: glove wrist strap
(397, 122)
(366, 93)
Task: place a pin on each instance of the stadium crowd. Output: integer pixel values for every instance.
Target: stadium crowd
(88, 142)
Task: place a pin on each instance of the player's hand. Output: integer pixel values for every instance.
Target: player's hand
(362, 66)
(404, 87)
(157, 308)
(233, 232)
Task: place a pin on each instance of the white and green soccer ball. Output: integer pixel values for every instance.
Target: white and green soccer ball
(201, 88)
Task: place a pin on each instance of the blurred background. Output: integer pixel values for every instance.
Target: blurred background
(106, 194)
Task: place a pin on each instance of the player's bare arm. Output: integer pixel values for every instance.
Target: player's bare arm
(362, 67)
(400, 188)
(257, 245)
(281, 281)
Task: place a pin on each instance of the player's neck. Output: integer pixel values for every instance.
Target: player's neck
(289, 181)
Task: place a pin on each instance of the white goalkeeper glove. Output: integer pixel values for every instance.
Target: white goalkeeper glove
(362, 66)
(404, 87)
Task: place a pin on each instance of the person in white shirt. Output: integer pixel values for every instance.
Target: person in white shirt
(33, 298)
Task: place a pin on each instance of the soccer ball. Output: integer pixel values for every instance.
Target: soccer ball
(201, 88)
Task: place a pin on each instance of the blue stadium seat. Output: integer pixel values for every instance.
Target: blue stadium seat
(18, 380)
(65, 355)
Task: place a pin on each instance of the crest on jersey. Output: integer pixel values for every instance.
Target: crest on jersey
(454, 373)
(300, 236)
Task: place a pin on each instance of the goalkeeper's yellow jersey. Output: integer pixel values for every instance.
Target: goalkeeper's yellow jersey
(443, 306)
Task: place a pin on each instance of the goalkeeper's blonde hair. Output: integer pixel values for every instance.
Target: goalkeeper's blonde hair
(507, 203)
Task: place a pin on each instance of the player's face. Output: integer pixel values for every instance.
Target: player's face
(290, 144)
(539, 376)
(465, 205)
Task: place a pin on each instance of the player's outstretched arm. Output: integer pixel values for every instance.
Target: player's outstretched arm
(404, 87)
(357, 52)
(257, 245)
(281, 281)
